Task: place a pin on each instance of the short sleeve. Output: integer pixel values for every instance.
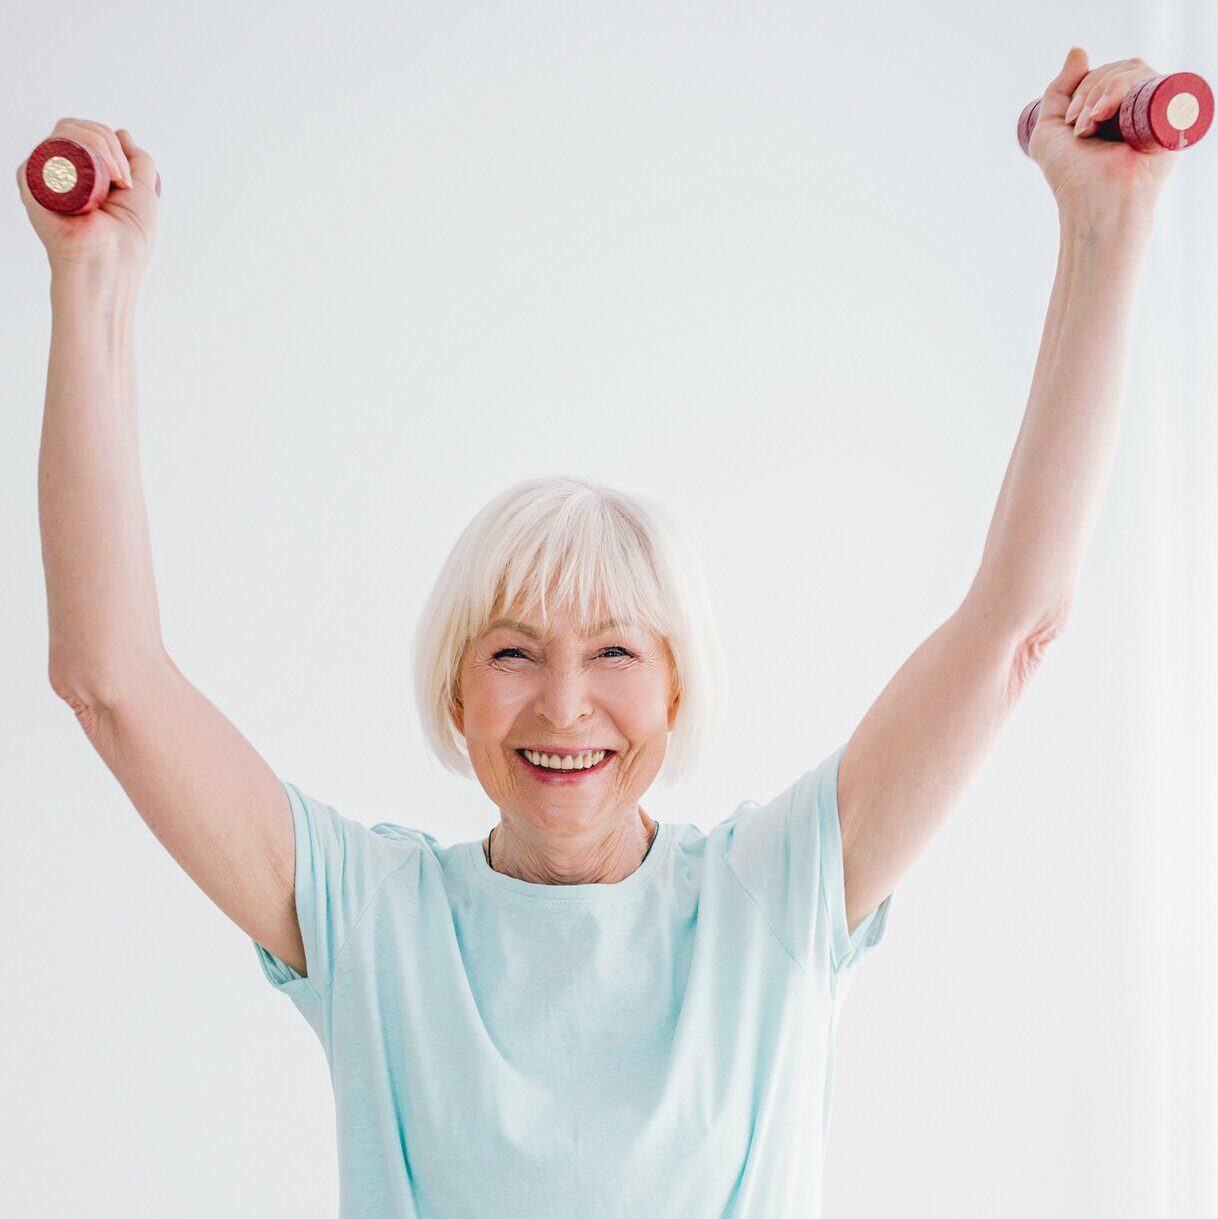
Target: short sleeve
(788, 855)
(339, 865)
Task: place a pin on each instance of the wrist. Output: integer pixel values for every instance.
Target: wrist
(98, 284)
(1113, 221)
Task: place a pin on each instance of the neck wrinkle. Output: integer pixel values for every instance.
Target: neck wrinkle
(493, 851)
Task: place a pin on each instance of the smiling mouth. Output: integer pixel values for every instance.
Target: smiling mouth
(556, 772)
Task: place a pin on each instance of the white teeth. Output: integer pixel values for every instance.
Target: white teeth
(569, 761)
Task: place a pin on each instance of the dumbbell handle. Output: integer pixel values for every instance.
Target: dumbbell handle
(1162, 112)
(68, 177)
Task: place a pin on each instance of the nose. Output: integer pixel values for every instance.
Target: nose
(564, 698)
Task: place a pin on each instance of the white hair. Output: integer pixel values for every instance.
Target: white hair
(598, 550)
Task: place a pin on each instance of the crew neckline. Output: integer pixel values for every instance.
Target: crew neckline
(560, 893)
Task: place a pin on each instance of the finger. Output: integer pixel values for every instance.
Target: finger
(115, 147)
(1106, 96)
(1091, 98)
(1081, 90)
(120, 171)
(86, 133)
(1076, 101)
(1086, 90)
(1057, 96)
(143, 166)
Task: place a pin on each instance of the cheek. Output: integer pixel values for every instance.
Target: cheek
(490, 696)
(640, 705)
(494, 700)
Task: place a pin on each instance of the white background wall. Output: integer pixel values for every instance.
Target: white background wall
(788, 268)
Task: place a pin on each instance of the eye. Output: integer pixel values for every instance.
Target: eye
(505, 651)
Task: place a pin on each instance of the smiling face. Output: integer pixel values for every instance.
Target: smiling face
(523, 688)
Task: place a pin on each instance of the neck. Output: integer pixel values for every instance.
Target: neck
(606, 861)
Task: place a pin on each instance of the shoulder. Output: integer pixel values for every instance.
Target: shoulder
(404, 835)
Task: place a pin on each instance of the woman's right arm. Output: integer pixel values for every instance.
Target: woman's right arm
(203, 790)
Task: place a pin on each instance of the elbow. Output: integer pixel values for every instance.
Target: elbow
(62, 683)
(96, 683)
(86, 696)
(1050, 622)
(1034, 642)
(1025, 624)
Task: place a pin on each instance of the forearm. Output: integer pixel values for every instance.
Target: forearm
(1059, 469)
(102, 612)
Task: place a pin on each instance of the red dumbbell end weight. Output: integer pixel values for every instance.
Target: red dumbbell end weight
(1162, 112)
(1170, 112)
(67, 177)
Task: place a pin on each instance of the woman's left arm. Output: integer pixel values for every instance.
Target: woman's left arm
(914, 754)
(1063, 455)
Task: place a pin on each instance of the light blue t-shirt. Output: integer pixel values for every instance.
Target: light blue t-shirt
(500, 1049)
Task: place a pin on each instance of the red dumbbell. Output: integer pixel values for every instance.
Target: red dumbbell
(67, 177)
(1170, 112)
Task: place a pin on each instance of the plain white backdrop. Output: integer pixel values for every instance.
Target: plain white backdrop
(788, 268)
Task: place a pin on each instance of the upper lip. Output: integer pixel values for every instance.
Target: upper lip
(562, 749)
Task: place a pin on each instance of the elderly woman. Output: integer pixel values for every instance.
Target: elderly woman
(589, 1012)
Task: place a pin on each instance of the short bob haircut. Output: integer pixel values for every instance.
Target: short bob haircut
(596, 550)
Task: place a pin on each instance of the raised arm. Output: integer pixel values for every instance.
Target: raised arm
(916, 751)
(203, 790)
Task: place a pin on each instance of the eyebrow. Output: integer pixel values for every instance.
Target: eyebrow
(525, 629)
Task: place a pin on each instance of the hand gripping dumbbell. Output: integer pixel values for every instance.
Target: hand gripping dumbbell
(1163, 112)
(67, 177)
